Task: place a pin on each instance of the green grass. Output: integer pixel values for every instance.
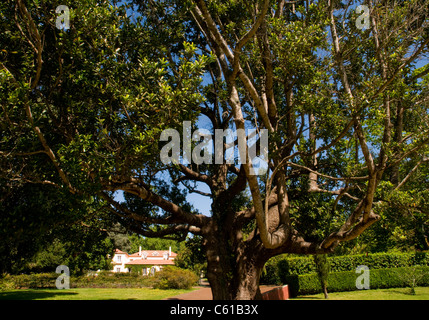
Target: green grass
(90, 294)
(422, 293)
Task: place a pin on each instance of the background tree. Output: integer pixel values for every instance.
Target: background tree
(137, 241)
(192, 256)
(345, 109)
(42, 228)
(322, 270)
(120, 237)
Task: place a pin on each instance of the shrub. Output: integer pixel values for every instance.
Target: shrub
(279, 267)
(299, 265)
(174, 278)
(30, 281)
(346, 280)
(271, 271)
(111, 280)
(169, 277)
(414, 277)
(322, 271)
(102, 280)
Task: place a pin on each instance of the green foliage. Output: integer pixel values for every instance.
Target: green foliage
(105, 279)
(83, 113)
(278, 268)
(174, 278)
(322, 271)
(415, 276)
(95, 280)
(120, 237)
(85, 252)
(137, 241)
(379, 260)
(168, 278)
(404, 220)
(271, 271)
(346, 280)
(105, 92)
(33, 281)
(192, 255)
(43, 227)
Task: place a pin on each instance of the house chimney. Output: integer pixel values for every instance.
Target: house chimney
(140, 251)
(169, 252)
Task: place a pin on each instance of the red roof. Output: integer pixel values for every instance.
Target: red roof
(150, 262)
(117, 251)
(154, 253)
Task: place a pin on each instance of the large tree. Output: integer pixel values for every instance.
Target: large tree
(340, 91)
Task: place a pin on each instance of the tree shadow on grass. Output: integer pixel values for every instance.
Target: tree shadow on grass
(34, 294)
(404, 292)
(308, 298)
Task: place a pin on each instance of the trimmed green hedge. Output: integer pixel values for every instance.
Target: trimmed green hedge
(111, 280)
(280, 266)
(102, 280)
(379, 261)
(346, 280)
(176, 278)
(32, 281)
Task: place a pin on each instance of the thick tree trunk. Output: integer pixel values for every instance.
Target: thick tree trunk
(236, 281)
(233, 271)
(247, 286)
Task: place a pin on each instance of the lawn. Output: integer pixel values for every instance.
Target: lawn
(90, 294)
(422, 293)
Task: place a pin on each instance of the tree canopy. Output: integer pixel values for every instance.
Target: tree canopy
(342, 94)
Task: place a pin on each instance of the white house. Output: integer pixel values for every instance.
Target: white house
(146, 260)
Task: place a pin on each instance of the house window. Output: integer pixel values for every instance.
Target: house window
(118, 258)
(166, 256)
(118, 269)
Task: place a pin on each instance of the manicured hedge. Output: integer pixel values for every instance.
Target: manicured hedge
(378, 261)
(39, 280)
(346, 280)
(111, 280)
(283, 265)
(176, 278)
(102, 280)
